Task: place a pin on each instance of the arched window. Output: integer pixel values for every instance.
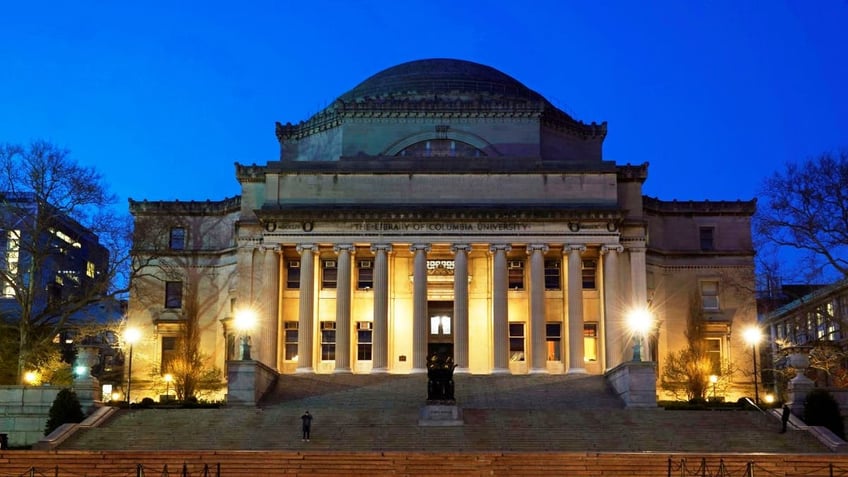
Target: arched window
(441, 148)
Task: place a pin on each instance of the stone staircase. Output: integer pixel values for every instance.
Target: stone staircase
(501, 413)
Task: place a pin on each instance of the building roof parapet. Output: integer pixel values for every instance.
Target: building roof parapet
(711, 207)
(448, 165)
(814, 298)
(230, 204)
(251, 173)
(631, 173)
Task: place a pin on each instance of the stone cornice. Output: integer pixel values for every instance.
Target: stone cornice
(705, 207)
(430, 165)
(251, 173)
(388, 212)
(439, 108)
(178, 207)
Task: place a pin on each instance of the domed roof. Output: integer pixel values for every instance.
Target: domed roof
(440, 76)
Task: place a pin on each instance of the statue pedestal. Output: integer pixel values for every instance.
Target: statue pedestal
(440, 415)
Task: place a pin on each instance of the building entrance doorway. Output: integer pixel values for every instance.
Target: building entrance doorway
(440, 329)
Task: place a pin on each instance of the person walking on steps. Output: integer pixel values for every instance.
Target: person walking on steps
(307, 425)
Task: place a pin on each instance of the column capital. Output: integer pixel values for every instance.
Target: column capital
(500, 247)
(612, 248)
(302, 247)
(460, 247)
(537, 247)
(381, 247)
(574, 247)
(419, 246)
(343, 247)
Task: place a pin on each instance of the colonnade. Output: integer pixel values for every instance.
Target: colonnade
(611, 333)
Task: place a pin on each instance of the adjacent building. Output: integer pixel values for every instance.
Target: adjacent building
(440, 207)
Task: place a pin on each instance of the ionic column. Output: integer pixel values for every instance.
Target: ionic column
(614, 329)
(576, 353)
(419, 308)
(460, 306)
(305, 327)
(343, 294)
(537, 307)
(500, 312)
(270, 293)
(380, 358)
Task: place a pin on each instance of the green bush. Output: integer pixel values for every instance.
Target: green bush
(821, 409)
(66, 408)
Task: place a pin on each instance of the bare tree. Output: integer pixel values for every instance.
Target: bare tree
(806, 209)
(191, 264)
(63, 246)
(687, 371)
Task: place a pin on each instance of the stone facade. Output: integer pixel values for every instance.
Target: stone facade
(438, 208)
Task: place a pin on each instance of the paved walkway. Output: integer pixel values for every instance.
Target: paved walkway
(501, 413)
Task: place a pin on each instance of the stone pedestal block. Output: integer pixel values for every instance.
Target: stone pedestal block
(440, 415)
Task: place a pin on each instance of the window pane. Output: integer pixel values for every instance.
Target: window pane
(589, 269)
(553, 341)
(590, 342)
(516, 341)
(177, 238)
(293, 274)
(173, 294)
(552, 275)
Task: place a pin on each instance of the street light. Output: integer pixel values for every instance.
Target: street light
(244, 322)
(131, 336)
(752, 336)
(714, 380)
(168, 378)
(640, 321)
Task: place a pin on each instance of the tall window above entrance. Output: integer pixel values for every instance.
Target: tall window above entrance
(328, 340)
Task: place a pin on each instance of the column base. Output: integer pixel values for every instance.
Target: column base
(379, 370)
(538, 371)
(501, 371)
(342, 371)
(309, 370)
(577, 371)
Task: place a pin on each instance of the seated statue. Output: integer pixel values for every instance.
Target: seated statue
(440, 378)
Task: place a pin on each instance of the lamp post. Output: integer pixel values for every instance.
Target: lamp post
(752, 336)
(244, 322)
(131, 336)
(168, 378)
(640, 322)
(714, 380)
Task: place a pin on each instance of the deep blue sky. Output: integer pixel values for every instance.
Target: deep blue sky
(163, 98)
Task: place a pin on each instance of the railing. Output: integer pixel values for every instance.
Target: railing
(138, 470)
(749, 469)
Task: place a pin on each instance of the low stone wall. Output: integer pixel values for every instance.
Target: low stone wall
(635, 382)
(24, 411)
(248, 381)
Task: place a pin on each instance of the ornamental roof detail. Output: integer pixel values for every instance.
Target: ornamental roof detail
(440, 88)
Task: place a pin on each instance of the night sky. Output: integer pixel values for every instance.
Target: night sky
(163, 99)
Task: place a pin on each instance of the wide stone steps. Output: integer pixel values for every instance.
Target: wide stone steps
(380, 413)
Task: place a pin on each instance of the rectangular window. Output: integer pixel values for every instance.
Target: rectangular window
(89, 269)
(293, 274)
(553, 341)
(553, 275)
(709, 295)
(364, 274)
(176, 241)
(328, 340)
(706, 235)
(330, 274)
(290, 340)
(516, 341)
(590, 268)
(173, 294)
(713, 346)
(516, 274)
(169, 352)
(590, 342)
(364, 339)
